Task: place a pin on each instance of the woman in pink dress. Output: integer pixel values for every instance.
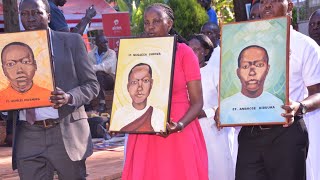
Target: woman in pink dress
(181, 153)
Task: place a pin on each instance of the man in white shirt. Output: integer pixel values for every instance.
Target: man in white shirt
(104, 62)
(314, 26)
(312, 119)
(212, 30)
(279, 152)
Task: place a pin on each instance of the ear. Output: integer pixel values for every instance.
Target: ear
(151, 83)
(238, 72)
(206, 52)
(290, 6)
(4, 71)
(35, 64)
(170, 24)
(49, 18)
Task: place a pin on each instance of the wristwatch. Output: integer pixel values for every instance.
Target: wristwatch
(302, 109)
(181, 125)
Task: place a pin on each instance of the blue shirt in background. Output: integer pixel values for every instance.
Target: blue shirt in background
(98, 57)
(57, 21)
(212, 16)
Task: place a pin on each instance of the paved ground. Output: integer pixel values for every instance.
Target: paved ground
(102, 165)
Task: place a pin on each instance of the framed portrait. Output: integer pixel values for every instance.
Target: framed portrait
(26, 78)
(141, 101)
(254, 72)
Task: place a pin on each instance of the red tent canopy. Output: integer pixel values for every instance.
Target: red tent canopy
(79, 6)
(74, 10)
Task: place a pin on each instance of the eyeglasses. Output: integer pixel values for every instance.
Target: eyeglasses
(258, 64)
(13, 63)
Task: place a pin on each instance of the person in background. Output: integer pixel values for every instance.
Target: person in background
(104, 62)
(58, 137)
(314, 26)
(219, 155)
(9, 128)
(254, 10)
(58, 21)
(312, 118)
(180, 153)
(206, 4)
(212, 30)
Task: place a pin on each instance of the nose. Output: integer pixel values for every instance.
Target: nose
(31, 18)
(252, 71)
(151, 26)
(267, 5)
(140, 85)
(19, 68)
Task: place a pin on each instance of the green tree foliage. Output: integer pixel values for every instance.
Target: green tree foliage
(123, 6)
(224, 10)
(189, 16)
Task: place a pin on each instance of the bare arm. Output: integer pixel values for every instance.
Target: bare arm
(196, 103)
(81, 26)
(312, 102)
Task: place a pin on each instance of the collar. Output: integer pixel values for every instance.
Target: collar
(97, 53)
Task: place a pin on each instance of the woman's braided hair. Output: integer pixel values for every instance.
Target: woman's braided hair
(170, 14)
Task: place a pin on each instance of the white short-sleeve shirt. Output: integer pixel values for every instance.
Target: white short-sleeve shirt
(304, 64)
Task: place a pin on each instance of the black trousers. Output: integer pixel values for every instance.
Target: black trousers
(106, 83)
(273, 154)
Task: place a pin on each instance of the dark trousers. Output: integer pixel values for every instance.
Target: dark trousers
(106, 82)
(40, 151)
(273, 154)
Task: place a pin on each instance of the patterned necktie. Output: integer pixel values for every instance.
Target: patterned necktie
(31, 115)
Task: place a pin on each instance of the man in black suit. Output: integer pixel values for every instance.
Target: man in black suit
(59, 136)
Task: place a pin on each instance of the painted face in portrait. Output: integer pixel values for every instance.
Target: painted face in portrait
(314, 26)
(274, 8)
(198, 49)
(19, 67)
(156, 22)
(139, 86)
(33, 15)
(252, 71)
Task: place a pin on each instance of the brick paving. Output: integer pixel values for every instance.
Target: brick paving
(102, 165)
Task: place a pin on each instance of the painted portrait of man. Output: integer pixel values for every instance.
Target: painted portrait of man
(139, 116)
(19, 67)
(253, 99)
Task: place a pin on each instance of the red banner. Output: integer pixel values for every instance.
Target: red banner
(115, 26)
